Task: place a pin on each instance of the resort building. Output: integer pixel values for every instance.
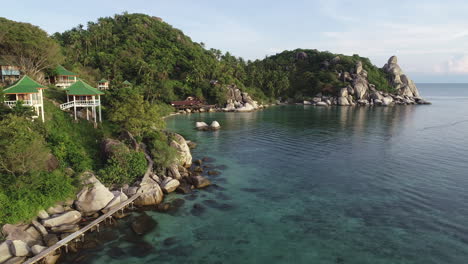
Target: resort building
(127, 83)
(28, 92)
(82, 95)
(64, 78)
(190, 103)
(103, 84)
(9, 73)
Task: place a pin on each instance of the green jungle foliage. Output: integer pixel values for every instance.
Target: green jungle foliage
(125, 166)
(25, 184)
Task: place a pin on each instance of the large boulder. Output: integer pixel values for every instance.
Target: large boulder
(173, 171)
(20, 232)
(19, 248)
(5, 253)
(386, 101)
(36, 249)
(201, 125)
(399, 80)
(151, 192)
(361, 87)
(179, 143)
(40, 228)
(343, 92)
(93, 197)
(343, 101)
(215, 125)
(68, 218)
(169, 184)
(42, 214)
(246, 108)
(229, 107)
(359, 67)
(119, 197)
(16, 260)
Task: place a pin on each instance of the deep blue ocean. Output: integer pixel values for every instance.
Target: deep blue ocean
(332, 185)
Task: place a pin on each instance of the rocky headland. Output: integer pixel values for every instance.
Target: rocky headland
(25, 240)
(360, 91)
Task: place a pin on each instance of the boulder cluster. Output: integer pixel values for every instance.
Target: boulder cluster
(94, 199)
(205, 127)
(238, 101)
(360, 91)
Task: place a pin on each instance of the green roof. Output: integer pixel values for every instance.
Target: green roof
(24, 85)
(82, 88)
(60, 70)
(127, 82)
(103, 81)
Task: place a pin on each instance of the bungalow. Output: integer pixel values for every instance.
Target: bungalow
(27, 91)
(9, 73)
(64, 78)
(83, 95)
(127, 83)
(103, 84)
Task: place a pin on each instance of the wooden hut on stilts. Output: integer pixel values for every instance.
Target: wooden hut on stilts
(83, 95)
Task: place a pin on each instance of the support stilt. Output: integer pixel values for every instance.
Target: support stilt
(74, 106)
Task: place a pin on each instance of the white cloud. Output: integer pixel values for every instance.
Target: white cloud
(454, 65)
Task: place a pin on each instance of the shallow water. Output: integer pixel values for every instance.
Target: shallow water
(304, 184)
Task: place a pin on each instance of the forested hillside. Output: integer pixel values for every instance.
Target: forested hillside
(166, 65)
(160, 60)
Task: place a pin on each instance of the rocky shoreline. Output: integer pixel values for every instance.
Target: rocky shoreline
(358, 92)
(25, 240)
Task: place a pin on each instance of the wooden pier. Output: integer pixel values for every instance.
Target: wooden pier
(78, 235)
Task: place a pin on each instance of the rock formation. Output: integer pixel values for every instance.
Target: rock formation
(94, 196)
(239, 101)
(399, 80)
(360, 91)
(179, 143)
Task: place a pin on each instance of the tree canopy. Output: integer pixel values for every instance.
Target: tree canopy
(28, 47)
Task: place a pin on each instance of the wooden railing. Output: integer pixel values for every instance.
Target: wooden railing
(25, 102)
(80, 233)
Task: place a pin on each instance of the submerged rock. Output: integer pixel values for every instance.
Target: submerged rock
(143, 224)
(200, 182)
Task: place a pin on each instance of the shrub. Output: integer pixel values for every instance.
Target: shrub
(159, 145)
(124, 167)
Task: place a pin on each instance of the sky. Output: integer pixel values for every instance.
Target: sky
(429, 37)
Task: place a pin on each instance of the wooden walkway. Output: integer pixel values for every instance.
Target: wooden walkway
(80, 233)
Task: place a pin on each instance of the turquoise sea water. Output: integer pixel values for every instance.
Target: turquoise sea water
(305, 184)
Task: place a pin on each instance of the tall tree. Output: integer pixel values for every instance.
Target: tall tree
(28, 47)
